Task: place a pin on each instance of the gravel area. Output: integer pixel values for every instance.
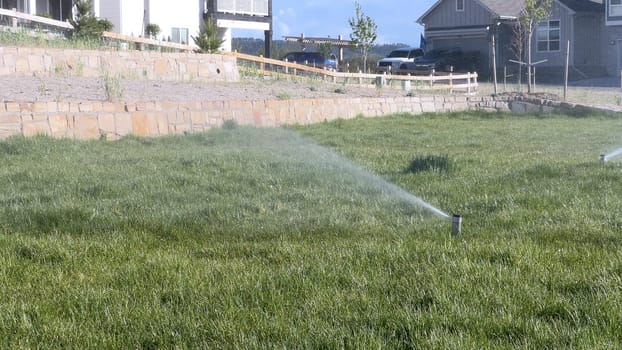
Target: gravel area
(75, 89)
(44, 89)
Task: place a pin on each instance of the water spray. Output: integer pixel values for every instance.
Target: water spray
(456, 229)
(608, 156)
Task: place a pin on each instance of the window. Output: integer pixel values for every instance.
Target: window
(179, 35)
(615, 8)
(459, 5)
(548, 35)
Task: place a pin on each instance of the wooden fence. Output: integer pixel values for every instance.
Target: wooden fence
(140, 42)
(466, 82)
(15, 16)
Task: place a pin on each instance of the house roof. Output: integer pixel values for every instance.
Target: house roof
(513, 8)
(507, 8)
(584, 5)
(504, 8)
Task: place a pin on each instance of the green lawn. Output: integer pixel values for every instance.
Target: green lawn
(284, 238)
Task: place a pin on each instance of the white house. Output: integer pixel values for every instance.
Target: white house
(58, 9)
(179, 20)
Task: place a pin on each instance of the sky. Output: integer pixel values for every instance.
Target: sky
(396, 19)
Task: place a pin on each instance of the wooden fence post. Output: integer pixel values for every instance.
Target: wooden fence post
(14, 20)
(566, 69)
(505, 78)
(451, 81)
(534, 79)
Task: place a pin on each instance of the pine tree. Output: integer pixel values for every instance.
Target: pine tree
(208, 40)
(85, 24)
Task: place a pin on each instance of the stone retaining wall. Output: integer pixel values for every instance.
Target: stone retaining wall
(49, 62)
(88, 120)
(526, 104)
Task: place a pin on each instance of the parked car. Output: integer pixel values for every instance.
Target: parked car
(314, 59)
(396, 58)
(445, 60)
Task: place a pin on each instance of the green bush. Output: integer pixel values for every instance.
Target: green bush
(208, 40)
(85, 24)
(152, 30)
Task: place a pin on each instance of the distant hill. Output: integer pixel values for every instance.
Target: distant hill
(352, 57)
(253, 46)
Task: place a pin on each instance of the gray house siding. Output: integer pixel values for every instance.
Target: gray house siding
(446, 16)
(556, 58)
(587, 44)
(612, 50)
(611, 42)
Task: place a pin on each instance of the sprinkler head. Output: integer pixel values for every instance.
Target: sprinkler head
(603, 158)
(456, 229)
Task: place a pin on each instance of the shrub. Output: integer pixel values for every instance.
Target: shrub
(152, 30)
(430, 163)
(208, 40)
(85, 24)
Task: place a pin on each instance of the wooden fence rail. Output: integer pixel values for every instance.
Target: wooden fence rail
(444, 81)
(16, 15)
(145, 41)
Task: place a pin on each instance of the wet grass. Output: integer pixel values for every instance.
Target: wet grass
(258, 238)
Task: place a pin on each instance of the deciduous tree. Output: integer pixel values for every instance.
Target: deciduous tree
(531, 15)
(517, 46)
(364, 32)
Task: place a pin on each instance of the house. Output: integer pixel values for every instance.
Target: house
(593, 28)
(612, 38)
(57, 9)
(131, 17)
(178, 20)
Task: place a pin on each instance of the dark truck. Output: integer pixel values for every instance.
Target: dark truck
(441, 60)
